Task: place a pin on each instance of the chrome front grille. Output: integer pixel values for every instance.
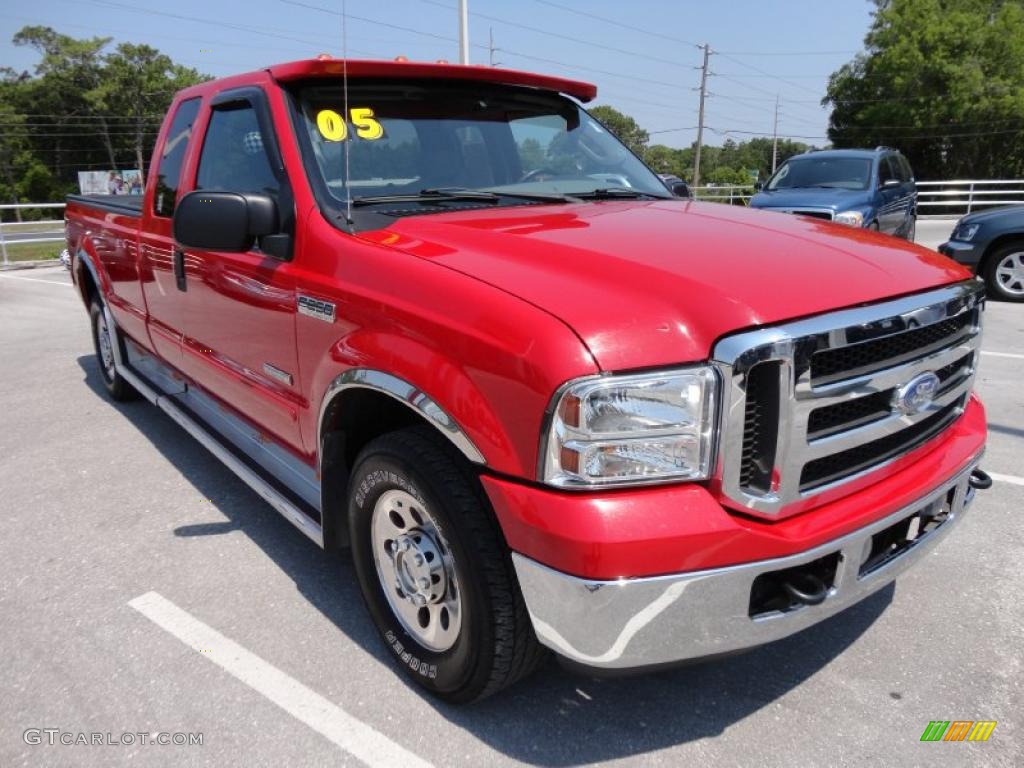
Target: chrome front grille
(816, 213)
(812, 407)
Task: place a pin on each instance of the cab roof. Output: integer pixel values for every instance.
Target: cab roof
(330, 67)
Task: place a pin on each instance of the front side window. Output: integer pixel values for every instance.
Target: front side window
(828, 172)
(234, 158)
(402, 139)
(886, 171)
(172, 156)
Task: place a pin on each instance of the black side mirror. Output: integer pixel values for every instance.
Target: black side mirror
(758, 185)
(229, 221)
(680, 189)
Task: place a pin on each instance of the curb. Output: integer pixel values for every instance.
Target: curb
(10, 267)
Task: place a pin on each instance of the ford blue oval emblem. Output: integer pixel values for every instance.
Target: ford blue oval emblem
(917, 394)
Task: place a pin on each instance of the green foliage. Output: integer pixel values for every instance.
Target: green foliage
(623, 126)
(731, 163)
(941, 80)
(531, 155)
(83, 108)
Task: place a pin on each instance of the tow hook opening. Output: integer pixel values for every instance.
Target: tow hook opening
(793, 588)
(980, 480)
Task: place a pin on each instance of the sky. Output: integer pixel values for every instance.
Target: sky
(642, 55)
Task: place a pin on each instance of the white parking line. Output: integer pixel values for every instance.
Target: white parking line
(355, 737)
(1012, 479)
(34, 280)
(1002, 354)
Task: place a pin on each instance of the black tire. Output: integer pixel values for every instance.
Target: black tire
(873, 226)
(115, 384)
(1008, 291)
(495, 645)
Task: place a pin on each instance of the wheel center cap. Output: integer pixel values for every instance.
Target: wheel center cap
(420, 571)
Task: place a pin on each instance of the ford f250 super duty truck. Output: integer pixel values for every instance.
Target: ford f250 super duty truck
(440, 315)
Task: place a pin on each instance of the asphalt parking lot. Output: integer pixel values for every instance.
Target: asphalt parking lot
(144, 589)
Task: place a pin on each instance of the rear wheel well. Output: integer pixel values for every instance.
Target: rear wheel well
(353, 418)
(995, 245)
(86, 284)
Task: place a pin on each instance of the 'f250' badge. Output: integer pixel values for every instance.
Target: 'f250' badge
(321, 310)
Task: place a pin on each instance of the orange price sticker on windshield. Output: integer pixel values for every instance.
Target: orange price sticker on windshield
(333, 127)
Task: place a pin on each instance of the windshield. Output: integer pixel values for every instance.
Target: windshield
(405, 138)
(836, 172)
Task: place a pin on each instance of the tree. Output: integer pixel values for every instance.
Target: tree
(81, 108)
(662, 159)
(943, 81)
(623, 126)
(138, 82)
(531, 155)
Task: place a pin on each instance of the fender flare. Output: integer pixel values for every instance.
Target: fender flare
(404, 392)
(82, 256)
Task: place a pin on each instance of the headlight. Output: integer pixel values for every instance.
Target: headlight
(965, 231)
(623, 430)
(850, 218)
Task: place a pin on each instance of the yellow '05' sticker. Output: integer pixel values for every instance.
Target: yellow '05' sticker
(332, 125)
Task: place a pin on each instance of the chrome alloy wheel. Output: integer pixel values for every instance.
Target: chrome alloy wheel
(416, 570)
(106, 345)
(1010, 273)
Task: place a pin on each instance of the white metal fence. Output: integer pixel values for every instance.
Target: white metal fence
(15, 233)
(956, 198)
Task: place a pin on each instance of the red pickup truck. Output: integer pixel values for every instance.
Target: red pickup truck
(439, 314)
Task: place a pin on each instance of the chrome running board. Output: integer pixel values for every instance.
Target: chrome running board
(291, 511)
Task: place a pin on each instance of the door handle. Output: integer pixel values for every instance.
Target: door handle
(179, 269)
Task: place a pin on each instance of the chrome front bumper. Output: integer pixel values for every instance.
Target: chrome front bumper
(641, 622)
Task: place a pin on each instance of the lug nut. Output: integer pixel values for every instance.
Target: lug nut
(405, 545)
(424, 583)
(419, 599)
(418, 559)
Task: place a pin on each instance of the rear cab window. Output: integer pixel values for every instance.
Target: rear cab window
(172, 155)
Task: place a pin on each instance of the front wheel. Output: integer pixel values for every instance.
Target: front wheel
(1004, 272)
(434, 569)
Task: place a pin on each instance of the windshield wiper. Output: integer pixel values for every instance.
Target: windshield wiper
(623, 193)
(552, 197)
(439, 195)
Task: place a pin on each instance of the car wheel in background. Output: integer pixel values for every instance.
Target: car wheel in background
(104, 338)
(912, 229)
(1004, 272)
(434, 569)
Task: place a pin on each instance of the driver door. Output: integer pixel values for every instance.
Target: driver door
(239, 308)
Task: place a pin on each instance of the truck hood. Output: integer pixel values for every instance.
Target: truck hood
(836, 199)
(657, 283)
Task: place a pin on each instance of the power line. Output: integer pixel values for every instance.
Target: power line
(616, 23)
(559, 36)
(768, 74)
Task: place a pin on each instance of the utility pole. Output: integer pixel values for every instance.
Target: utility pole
(463, 31)
(775, 135)
(700, 120)
(490, 47)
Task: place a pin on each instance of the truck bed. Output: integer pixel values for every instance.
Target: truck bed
(124, 204)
